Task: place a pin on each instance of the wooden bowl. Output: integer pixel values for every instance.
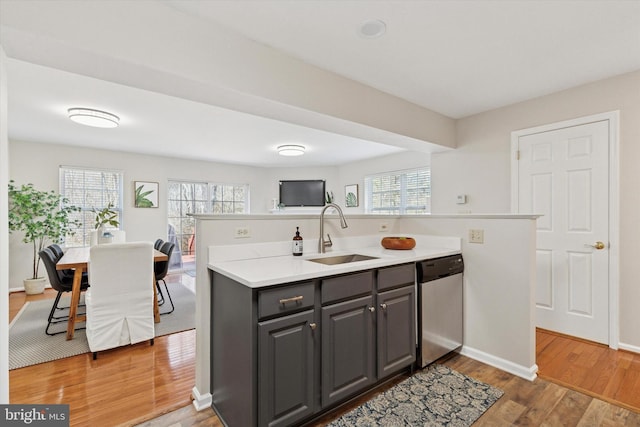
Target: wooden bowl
(399, 243)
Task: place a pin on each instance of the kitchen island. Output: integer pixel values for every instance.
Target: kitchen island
(292, 338)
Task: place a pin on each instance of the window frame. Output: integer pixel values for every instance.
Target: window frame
(86, 212)
(401, 178)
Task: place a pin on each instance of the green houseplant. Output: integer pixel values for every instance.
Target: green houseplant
(106, 216)
(43, 217)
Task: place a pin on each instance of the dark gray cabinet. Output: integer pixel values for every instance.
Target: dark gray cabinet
(286, 362)
(282, 354)
(396, 330)
(396, 318)
(348, 348)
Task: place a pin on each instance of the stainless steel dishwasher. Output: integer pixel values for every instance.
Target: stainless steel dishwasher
(440, 310)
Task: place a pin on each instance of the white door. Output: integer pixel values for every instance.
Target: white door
(564, 175)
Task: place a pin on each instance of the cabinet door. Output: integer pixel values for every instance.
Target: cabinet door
(396, 330)
(286, 369)
(348, 348)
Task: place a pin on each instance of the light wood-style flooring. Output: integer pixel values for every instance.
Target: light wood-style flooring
(580, 384)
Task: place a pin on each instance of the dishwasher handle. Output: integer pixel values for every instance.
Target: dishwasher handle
(434, 269)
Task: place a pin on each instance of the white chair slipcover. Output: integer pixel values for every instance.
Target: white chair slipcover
(119, 300)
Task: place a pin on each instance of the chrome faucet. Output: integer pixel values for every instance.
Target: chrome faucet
(343, 223)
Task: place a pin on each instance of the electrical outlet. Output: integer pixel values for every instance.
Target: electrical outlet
(476, 236)
(242, 232)
(383, 227)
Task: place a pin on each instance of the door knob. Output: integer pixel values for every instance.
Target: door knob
(597, 245)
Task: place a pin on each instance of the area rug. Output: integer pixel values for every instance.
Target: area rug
(435, 396)
(29, 345)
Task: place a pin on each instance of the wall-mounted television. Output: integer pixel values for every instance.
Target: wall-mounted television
(308, 192)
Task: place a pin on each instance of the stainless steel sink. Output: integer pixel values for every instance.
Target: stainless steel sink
(342, 259)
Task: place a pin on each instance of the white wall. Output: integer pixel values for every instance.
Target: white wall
(4, 232)
(480, 167)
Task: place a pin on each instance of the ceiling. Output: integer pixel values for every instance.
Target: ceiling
(457, 58)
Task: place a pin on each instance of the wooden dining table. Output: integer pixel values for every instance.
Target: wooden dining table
(78, 260)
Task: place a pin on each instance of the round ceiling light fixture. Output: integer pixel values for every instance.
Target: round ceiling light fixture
(95, 118)
(291, 150)
(372, 29)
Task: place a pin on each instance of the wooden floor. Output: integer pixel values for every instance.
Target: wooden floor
(580, 384)
(591, 368)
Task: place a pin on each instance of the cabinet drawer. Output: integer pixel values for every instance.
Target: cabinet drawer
(338, 288)
(392, 277)
(285, 299)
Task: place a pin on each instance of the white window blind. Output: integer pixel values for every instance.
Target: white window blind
(89, 189)
(399, 192)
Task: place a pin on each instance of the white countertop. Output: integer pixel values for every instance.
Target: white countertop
(273, 270)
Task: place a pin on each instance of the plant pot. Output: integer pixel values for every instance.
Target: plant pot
(34, 286)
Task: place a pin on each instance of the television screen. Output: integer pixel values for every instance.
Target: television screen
(302, 193)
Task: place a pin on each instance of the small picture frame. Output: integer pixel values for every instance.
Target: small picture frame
(351, 195)
(145, 194)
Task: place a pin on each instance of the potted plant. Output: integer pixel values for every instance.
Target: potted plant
(105, 216)
(43, 217)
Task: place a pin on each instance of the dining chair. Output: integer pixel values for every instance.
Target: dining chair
(158, 244)
(161, 269)
(61, 283)
(59, 253)
(120, 299)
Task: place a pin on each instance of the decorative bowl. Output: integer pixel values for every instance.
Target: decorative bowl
(400, 243)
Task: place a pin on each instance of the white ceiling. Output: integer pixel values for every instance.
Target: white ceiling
(457, 58)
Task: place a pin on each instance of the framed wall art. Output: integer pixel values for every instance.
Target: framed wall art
(146, 194)
(351, 195)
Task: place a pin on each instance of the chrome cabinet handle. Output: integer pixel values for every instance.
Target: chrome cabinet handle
(383, 306)
(292, 299)
(372, 309)
(313, 326)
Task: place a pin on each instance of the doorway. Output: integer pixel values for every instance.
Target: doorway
(567, 172)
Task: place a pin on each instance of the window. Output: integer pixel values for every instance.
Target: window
(399, 192)
(186, 198)
(228, 199)
(89, 189)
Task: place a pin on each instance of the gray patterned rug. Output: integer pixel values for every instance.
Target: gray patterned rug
(435, 396)
(29, 345)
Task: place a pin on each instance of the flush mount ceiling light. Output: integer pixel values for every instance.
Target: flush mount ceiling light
(95, 118)
(372, 29)
(291, 150)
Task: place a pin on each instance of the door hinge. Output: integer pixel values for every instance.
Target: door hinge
(518, 155)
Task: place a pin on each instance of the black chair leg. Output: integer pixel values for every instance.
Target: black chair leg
(95, 355)
(160, 294)
(53, 308)
(168, 295)
(52, 320)
(151, 341)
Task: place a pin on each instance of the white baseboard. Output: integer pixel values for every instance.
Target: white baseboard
(629, 347)
(528, 373)
(201, 401)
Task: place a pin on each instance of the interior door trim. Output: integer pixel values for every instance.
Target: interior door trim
(613, 117)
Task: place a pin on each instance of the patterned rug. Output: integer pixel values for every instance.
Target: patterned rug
(29, 345)
(435, 396)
